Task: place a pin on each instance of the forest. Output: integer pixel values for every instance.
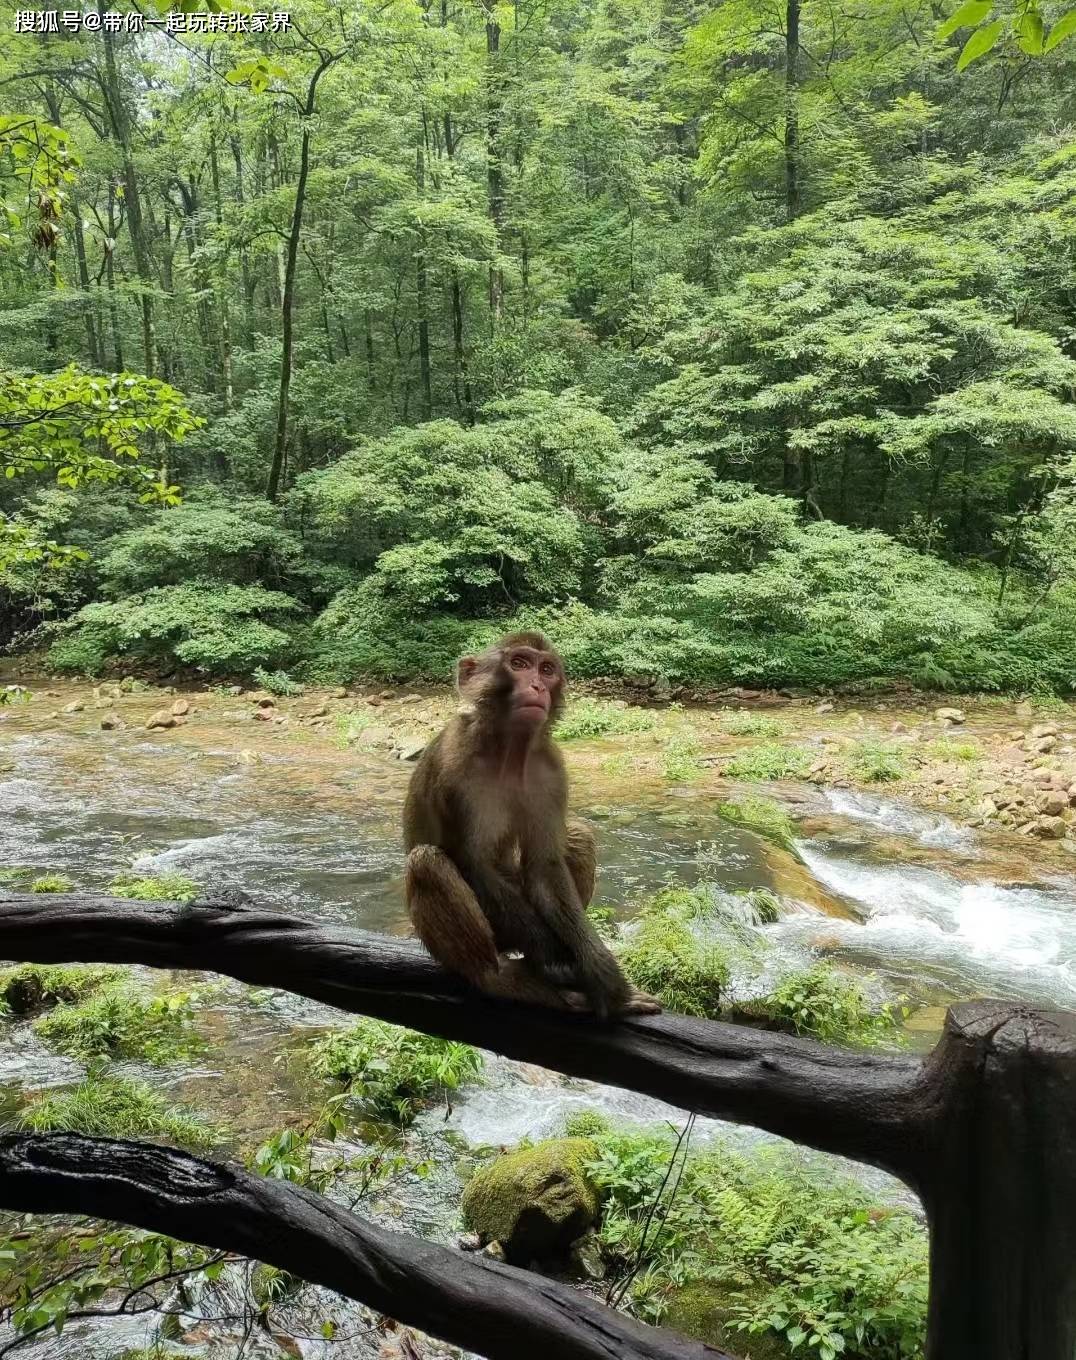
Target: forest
(731, 342)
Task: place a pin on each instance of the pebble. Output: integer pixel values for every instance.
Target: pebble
(162, 718)
(75, 706)
(181, 708)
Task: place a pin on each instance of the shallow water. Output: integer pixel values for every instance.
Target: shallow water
(933, 910)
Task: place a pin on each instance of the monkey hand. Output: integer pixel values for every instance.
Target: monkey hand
(640, 1003)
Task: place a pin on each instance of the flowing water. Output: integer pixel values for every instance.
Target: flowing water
(931, 910)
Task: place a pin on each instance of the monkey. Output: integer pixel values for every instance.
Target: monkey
(494, 867)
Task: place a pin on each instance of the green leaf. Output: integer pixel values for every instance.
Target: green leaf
(1030, 33)
(1064, 28)
(969, 15)
(980, 43)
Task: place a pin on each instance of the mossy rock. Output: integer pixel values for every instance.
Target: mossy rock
(702, 1308)
(535, 1201)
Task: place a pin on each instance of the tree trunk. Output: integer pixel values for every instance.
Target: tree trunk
(121, 129)
(1000, 1190)
(220, 289)
(792, 114)
(494, 170)
(422, 294)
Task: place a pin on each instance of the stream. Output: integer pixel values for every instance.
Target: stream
(928, 909)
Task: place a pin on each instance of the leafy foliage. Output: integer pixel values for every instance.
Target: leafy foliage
(394, 1071)
(115, 1022)
(811, 1261)
(830, 1005)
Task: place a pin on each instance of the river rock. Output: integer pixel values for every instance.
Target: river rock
(1050, 828)
(318, 711)
(1042, 745)
(180, 708)
(263, 715)
(264, 701)
(75, 706)
(1053, 802)
(374, 700)
(898, 727)
(412, 752)
(162, 718)
(950, 715)
(535, 1201)
(338, 693)
(112, 722)
(827, 707)
(411, 699)
(1072, 795)
(1047, 729)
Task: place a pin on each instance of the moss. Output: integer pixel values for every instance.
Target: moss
(702, 1309)
(761, 815)
(536, 1200)
(115, 1108)
(751, 725)
(36, 986)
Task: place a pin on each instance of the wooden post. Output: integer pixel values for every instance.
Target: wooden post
(999, 1185)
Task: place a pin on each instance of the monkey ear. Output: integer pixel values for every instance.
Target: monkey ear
(465, 670)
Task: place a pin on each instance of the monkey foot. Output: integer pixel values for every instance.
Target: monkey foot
(641, 1003)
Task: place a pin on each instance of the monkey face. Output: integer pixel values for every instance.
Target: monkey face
(519, 681)
(536, 684)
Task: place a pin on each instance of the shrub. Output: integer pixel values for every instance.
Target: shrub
(680, 763)
(807, 1260)
(771, 760)
(276, 682)
(593, 718)
(662, 955)
(875, 762)
(826, 1004)
(751, 725)
(395, 1071)
(51, 883)
(37, 986)
(114, 1108)
(762, 815)
(169, 887)
(217, 628)
(118, 1024)
(945, 748)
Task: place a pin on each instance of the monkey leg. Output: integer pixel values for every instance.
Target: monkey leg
(581, 856)
(450, 922)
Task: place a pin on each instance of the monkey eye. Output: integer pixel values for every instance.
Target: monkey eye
(548, 668)
(519, 663)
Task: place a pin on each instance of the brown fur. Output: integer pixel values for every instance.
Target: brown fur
(494, 867)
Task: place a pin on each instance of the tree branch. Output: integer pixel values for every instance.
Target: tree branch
(496, 1310)
(874, 1108)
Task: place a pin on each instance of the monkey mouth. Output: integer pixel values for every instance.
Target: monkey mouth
(533, 707)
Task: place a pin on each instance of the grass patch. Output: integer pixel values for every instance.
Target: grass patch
(51, 883)
(394, 1071)
(37, 986)
(664, 956)
(170, 887)
(680, 760)
(945, 748)
(803, 1263)
(349, 727)
(750, 725)
(119, 1024)
(598, 718)
(826, 1004)
(114, 1108)
(770, 760)
(761, 815)
(620, 764)
(877, 762)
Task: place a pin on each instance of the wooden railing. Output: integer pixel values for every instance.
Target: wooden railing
(983, 1130)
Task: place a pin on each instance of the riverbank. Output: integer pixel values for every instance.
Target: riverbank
(1008, 766)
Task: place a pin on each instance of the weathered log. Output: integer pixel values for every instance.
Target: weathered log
(860, 1105)
(499, 1311)
(1000, 1185)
